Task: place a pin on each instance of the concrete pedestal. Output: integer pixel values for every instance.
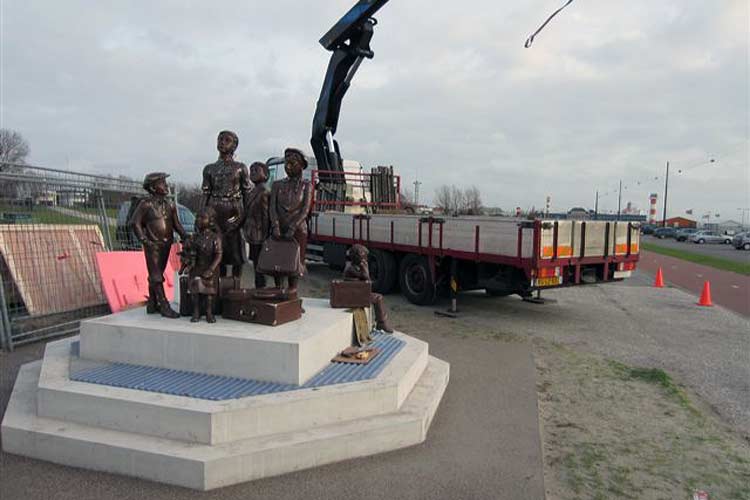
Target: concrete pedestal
(203, 444)
(290, 353)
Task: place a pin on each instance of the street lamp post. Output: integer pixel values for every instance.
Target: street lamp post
(666, 190)
(596, 204)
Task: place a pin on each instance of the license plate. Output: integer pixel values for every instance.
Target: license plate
(622, 274)
(552, 281)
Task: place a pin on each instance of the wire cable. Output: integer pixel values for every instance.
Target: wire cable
(530, 40)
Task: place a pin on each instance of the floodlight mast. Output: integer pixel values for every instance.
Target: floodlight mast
(349, 40)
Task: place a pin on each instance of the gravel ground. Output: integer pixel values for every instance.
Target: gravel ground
(714, 250)
(706, 349)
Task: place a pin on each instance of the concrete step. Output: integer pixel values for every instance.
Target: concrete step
(212, 422)
(202, 466)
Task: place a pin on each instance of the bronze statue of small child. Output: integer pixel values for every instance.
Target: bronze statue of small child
(359, 269)
(203, 274)
(257, 219)
(154, 222)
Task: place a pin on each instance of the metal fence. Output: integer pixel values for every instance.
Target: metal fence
(52, 224)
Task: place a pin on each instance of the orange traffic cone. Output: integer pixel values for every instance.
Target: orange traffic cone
(706, 295)
(659, 281)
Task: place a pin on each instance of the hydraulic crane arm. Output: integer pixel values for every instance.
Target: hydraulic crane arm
(349, 40)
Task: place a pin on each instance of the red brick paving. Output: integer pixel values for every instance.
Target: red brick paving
(728, 289)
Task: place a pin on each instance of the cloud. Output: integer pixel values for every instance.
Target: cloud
(608, 91)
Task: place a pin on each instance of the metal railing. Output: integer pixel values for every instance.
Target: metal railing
(52, 224)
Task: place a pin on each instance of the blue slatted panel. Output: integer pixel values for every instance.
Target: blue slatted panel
(217, 388)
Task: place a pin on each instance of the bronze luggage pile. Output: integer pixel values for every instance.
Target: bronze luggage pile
(267, 306)
(346, 294)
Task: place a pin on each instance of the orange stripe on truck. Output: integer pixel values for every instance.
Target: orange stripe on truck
(562, 251)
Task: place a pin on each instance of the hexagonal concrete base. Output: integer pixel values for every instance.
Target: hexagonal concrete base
(213, 422)
(203, 466)
(125, 423)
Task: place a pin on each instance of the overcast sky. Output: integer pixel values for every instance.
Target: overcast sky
(610, 90)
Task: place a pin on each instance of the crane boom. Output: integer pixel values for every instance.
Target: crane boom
(349, 40)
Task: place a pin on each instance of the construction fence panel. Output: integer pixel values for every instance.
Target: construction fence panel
(52, 224)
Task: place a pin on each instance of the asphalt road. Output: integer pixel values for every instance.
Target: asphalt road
(714, 250)
(728, 289)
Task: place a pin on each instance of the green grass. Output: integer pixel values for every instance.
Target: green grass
(46, 215)
(653, 376)
(706, 260)
(43, 215)
(111, 212)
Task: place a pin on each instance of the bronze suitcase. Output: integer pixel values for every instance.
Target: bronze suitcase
(226, 284)
(279, 258)
(240, 305)
(350, 294)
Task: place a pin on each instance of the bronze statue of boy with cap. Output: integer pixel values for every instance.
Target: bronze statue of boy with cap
(226, 188)
(154, 223)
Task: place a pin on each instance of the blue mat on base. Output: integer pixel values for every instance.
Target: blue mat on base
(218, 388)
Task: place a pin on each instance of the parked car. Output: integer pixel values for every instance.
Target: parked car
(664, 232)
(648, 229)
(684, 233)
(127, 239)
(710, 237)
(741, 241)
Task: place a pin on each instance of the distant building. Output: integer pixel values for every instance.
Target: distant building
(679, 222)
(578, 213)
(730, 227)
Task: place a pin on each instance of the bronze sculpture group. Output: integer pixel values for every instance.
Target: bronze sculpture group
(237, 207)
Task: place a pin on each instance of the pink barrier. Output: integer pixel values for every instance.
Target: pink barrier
(125, 279)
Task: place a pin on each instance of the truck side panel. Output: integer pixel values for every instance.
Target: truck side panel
(596, 238)
(491, 236)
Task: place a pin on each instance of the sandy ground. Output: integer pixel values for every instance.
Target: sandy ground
(612, 431)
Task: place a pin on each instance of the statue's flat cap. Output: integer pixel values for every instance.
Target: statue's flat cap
(151, 178)
(297, 152)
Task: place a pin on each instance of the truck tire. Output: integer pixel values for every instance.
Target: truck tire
(417, 283)
(746, 246)
(383, 271)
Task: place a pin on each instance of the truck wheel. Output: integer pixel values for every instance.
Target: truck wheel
(701, 241)
(416, 281)
(382, 271)
(746, 246)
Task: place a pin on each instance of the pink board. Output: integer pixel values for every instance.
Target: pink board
(125, 279)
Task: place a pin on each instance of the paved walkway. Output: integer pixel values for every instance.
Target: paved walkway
(731, 290)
